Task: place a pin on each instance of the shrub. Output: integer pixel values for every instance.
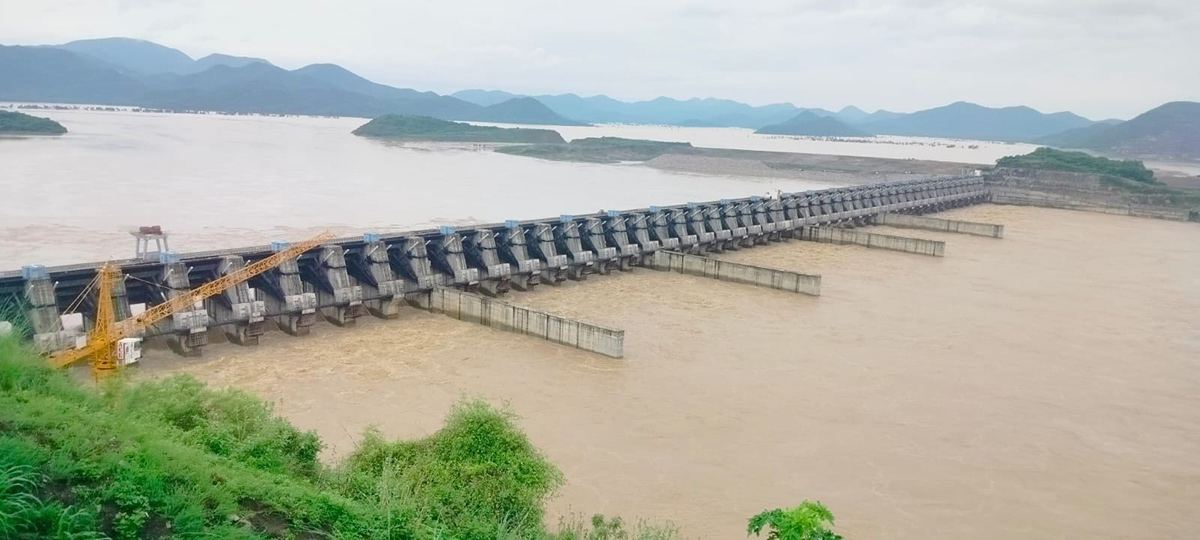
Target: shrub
(809, 521)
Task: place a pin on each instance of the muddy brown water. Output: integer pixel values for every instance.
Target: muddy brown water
(1040, 386)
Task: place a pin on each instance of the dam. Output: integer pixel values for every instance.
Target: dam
(465, 272)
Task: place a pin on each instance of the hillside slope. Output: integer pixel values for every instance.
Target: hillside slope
(1169, 131)
(809, 124)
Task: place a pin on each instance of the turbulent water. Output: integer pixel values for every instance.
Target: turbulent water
(223, 181)
(1042, 386)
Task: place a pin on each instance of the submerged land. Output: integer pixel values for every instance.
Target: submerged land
(18, 123)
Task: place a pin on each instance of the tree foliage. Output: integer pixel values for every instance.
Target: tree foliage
(1060, 160)
(809, 521)
(17, 122)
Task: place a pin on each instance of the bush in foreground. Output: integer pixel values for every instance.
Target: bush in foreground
(809, 521)
(174, 459)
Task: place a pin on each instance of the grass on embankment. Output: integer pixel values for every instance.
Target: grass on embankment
(174, 459)
(599, 150)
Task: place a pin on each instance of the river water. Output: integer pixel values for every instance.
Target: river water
(1039, 386)
(223, 181)
(1042, 386)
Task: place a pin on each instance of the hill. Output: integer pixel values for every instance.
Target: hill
(422, 128)
(1169, 131)
(522, 110)
(598, 150)
(484, 98)
(133, 54)
(809, 124)
(218, 59)
(133, 72)
(55, 75)
(964, 120)
(21, 123)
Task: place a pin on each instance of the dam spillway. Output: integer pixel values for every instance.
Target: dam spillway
(376, 274)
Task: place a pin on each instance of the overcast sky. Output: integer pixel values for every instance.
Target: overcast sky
(1099, 58)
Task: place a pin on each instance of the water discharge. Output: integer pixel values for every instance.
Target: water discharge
(1042, 386)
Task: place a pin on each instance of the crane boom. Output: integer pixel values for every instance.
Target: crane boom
(102, 340)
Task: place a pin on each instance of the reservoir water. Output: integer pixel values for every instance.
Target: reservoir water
(221, 181)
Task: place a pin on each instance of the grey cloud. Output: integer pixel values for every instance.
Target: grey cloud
(1100, 58)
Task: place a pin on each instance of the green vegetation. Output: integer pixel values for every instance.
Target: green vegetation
(424, 128)
(1060, 160)
(174, 459)
(17, 122)
(809, 521)
(599, 150)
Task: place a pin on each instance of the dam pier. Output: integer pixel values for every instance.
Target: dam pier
(464, 272)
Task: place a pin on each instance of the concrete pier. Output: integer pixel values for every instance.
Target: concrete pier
(186, 331)
(240, 316)
(695, 265)
(1021, 197)
(43, 317)
(293, 306)
(829, 235)
(905, 221)
(501, 315)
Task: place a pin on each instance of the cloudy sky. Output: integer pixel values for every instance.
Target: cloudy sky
(1099, 58)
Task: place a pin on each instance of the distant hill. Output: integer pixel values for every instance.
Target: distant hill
(133, 54)
(525, 110)
(122, 71)
(851, 114)
(810, 124)
(1169, 131)
(484, 97)
(423, 128)
(673, 112)
(56, 75)
(218, 59)
(970, 121)
(24, 124)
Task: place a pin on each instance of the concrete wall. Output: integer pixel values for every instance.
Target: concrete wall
(1053, 200)
(501, 315)
(938, 224)
(696, 265)
(829, 235)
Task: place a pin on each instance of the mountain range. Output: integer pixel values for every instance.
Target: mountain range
(957, 120)
(122, 71)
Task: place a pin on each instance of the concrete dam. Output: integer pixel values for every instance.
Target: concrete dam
(465, 272)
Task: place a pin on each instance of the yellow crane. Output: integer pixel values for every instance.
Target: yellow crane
(102, 340)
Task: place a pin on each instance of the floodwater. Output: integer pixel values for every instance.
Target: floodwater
(225, 181)
(1042, 386)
